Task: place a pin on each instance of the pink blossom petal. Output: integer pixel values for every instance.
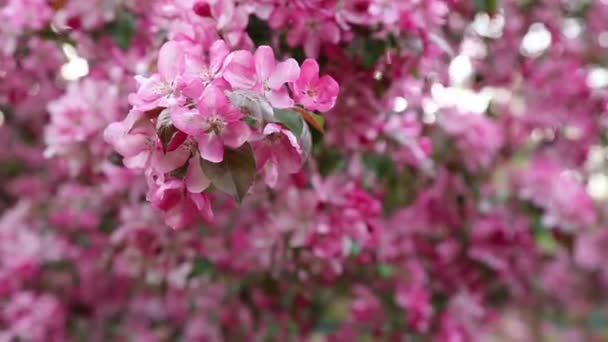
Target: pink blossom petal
(137, 162)
(236, 134)
(211, 148)
(287, 71)
(240, 70)
(170, 60)
(271, 173)
(203, 205)
(264, 62)
(331, 32)
(217, 55)
(195, 180)
(279, 98)
(189, 121)
(167, 162)
(213, 101)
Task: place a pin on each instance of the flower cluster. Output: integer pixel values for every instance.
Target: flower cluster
(324, 170)
(208, 117)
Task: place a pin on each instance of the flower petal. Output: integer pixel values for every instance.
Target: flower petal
(287, 71)
(189, 121)
(264, 62)
(211, 148)
(236, 134)
(279, 98)
(195, 180)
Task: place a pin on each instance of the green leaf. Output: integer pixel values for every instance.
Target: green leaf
(546, 242)
(258, 31)
(235, 174)
(291, 119)
(385, 270)
(487, 6)
(374, 49)
(200, 266)
(296, 124)
(122, 29)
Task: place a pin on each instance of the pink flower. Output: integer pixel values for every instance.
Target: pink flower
(277, 151)
(136, 140)
(215, 124)
(159, 89)
(261, 72)
(313, 92)
(416, 301)
(310, 32)
(202, 70)
(181, 206)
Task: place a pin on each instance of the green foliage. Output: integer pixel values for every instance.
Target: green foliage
(235, 174)
(122, 29)
(200, 266)
(487, 6)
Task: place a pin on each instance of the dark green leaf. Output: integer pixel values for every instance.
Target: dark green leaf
(200, 266)
(235, 174)
(385, 270)
(374, 49)
(487, 6)
(291, 119)
(296, 124)
(122, 29)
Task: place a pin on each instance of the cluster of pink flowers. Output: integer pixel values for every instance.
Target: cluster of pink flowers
(328, 170)
(211, 112)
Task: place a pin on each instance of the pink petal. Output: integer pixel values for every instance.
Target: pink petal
(195, 180)
(328, 90)
(264, 62)
(203, 205)
(236, 134)
(217, 55)
(212, 101)
(189, 121)
(177, 140)
(331, 32)
(309, 72)
(137, 162)
(312, 46)
(170, 60)
(167, 162)
(271, 173)
(240, 70)
(262, 151)
(272, 128)
(287, 71)
(289, 158)
(279, 98)
(211, 148)
(167, 195)
(113, 132)
(130, 144)
(181, 215)
(296, 35)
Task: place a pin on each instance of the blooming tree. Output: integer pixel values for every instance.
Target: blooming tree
(334, 170)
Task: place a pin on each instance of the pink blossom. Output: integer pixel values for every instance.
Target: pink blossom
(136, 140)
(260, 72)
(214, 124)
(311, 33)
(313, 92)
(277, 152)
(181, 206)
(200, 71)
